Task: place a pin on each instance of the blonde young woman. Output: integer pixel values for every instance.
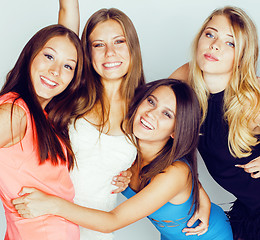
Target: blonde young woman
(223, 74)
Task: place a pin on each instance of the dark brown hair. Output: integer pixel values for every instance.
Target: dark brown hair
(186, 132)
(59, 109)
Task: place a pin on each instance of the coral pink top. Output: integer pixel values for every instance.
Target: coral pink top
(19, 167)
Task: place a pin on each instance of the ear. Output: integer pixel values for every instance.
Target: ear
(172, 135)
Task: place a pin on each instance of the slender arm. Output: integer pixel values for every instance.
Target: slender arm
(163, 188)
(69, 14)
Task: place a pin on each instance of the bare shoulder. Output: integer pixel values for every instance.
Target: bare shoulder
(179, 170)
(181, 73)
(13, 124)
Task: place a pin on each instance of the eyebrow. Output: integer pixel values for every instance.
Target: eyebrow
(112, 38)
(214, 29)
(69, 59)
(169, 109)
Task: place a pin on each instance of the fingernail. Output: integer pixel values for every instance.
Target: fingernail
(112, 192)
(113, 182)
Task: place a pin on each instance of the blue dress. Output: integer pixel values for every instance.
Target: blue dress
(170, 219)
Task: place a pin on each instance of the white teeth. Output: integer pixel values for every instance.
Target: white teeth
(48, 81)
(146, 124)
(114, 64)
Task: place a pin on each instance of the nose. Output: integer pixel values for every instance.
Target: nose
(151, 113)
(54, 70)
(214, 45)
(110, 50)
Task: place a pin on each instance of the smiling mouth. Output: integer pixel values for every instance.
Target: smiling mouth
(48, 82)
(146, 124)
(113, 64)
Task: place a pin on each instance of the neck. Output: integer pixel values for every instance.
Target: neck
(216, 83)
(148, 151)
(111, 89)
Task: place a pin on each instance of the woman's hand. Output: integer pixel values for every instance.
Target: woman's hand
(122, 180)
(202, 214)
(35, 203)
(253, 167)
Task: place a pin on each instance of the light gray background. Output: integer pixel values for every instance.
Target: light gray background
(165, 30)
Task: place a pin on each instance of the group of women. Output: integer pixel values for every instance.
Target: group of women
(77, 114)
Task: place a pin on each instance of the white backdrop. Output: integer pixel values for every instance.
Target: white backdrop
(165, 30)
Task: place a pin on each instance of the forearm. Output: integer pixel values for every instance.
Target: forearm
(88, 218)
(203, 197)
(69, 14)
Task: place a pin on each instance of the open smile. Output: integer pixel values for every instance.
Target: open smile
(112, 64)
(146, 124)
(47, 82)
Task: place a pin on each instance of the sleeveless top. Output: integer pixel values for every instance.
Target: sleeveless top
(213, 147)
(99, 158)
(170, 219)
(19, 167)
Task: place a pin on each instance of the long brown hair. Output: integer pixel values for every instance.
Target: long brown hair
(59, 109)
(186, 132)
(92, 91)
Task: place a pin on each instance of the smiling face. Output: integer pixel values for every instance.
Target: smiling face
(155, 118)
(109, 51)
(216, 49)
(53, 68)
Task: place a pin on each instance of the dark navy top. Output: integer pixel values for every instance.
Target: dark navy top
(213, 147)
(170, 219)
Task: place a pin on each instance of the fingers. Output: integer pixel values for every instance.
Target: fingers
(18, 200)
(24, 193)
(192, 220)
(199, 230)
(255, 175)
(253, 167)
(23, 211)
(26, 190)
(121, 181)
(127, 174)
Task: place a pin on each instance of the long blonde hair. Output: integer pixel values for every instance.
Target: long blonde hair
(242, 95)
(92, 88)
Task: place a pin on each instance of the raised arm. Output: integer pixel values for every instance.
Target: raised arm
(161, 190)
(69, 14)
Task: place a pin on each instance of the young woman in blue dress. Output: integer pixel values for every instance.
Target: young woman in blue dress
(163, 122)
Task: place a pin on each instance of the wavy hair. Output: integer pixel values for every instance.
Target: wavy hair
(242, 95)
(92, 91)
(186, 132)
(59, 109)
